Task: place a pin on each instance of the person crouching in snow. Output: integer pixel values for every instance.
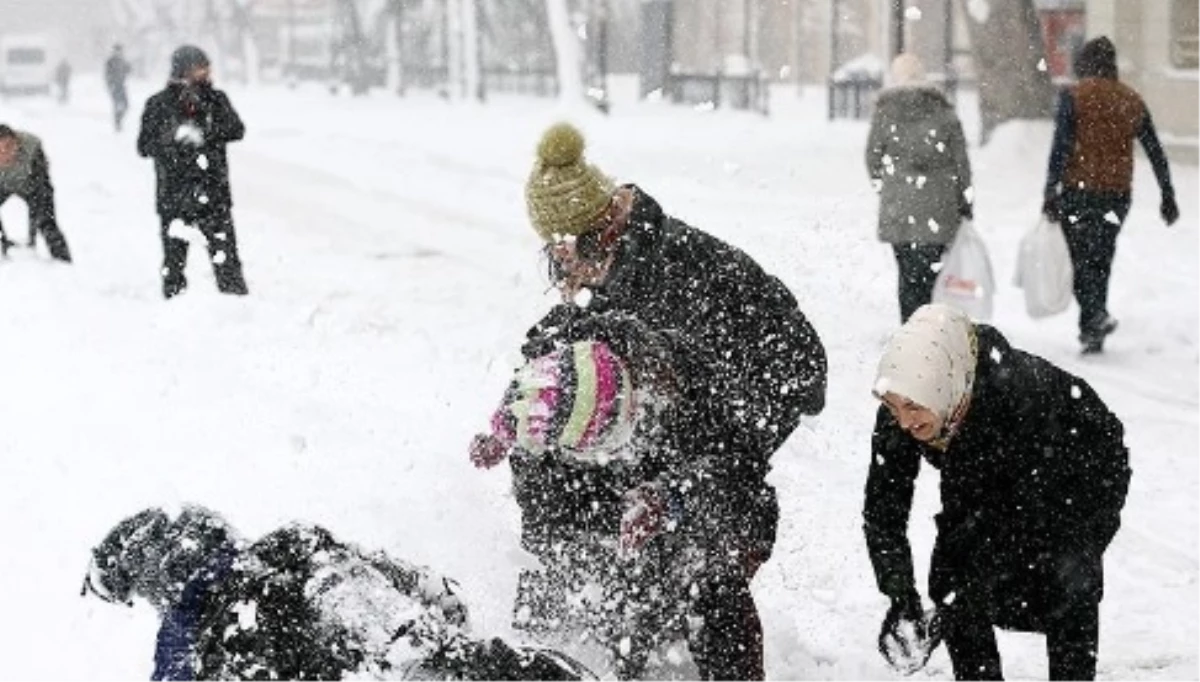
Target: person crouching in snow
(185, 129)
(296, 604)
(25, 172)
(1034, 473)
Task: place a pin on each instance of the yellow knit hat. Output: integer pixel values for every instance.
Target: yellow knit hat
(564, 194)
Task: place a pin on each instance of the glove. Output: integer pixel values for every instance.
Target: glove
(1052, 208)
(1169, 209)
(487, 451)
(908, 638)
(646, 515)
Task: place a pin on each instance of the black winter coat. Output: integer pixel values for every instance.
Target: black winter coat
(1037, 470)
(192, 180)
(746, 361)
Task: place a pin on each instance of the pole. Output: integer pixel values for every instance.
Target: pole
(897, 27)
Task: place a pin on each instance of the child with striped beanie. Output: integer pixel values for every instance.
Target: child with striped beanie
(578, 400)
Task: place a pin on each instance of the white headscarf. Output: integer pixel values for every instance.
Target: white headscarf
(930, 360)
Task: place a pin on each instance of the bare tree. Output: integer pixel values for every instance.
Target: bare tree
(567, 50)
(1010, 62)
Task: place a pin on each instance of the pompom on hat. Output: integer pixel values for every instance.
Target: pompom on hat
(578, 400)
(565, 195)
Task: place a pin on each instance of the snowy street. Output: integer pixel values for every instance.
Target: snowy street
(393, 273)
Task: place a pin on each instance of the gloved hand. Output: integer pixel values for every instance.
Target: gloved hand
(646, 515)
(1169, 209)
(1052, 207)
(908, 638)
(487, 451)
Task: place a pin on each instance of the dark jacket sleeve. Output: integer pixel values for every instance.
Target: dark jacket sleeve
(962, 169)
(895, 463)
(224, 125)
(150, 136)
(876, 145)
(1063, 144)
(1148, 136)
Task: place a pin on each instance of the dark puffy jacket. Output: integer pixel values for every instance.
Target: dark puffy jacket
(191, 179)
(746, 361)
(1037, 470)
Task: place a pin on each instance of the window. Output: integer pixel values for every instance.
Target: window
(26, 56)
(1184, 28)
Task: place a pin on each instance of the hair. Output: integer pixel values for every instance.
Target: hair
(1097, 59)
(6, 131)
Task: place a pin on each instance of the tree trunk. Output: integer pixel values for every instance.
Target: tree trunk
(472, 76)
(1010, 62)
(567, 52)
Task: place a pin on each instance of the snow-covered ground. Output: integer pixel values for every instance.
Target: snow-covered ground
(392, 273)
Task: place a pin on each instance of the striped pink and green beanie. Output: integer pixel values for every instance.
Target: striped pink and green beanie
(579, 398)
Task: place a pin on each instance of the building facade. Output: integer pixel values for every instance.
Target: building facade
(1157, 54)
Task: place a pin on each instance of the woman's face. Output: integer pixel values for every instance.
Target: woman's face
(919, 422)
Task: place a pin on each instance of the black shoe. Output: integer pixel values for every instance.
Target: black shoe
(1092, 345)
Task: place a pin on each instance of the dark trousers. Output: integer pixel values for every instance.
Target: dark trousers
(40, 200)
(729, 643)
(1069, 599)
(217, 228)
(917, 276)
(120, 106)
(1091, 223)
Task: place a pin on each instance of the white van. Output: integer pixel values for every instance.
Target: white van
(25, 65)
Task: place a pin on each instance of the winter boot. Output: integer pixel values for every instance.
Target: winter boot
(1093, 338)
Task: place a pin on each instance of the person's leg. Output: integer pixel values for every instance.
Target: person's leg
(970, 640)
(42, 218)
(223, 252)
(917, 276)
(1073, 621)
(729, 642)
(175, 251)
(1091, 227)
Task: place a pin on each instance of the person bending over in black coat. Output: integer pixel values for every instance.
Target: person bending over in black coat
(185, 128)
(1034, 473)
(745, 364)
(25, 173)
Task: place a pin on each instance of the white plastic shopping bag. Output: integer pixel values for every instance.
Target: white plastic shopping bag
(965, 280)
(1044, 270)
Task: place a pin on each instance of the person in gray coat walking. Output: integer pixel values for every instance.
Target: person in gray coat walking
(917, 159)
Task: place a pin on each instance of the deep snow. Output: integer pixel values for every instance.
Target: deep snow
(393, 274)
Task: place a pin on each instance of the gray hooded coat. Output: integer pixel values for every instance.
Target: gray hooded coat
(917, 151)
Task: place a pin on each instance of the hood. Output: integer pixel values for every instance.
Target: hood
(911, 102)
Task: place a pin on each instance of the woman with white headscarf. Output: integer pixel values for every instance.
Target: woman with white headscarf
(1034, 474)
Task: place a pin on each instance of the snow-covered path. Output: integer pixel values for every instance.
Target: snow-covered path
(392, 274)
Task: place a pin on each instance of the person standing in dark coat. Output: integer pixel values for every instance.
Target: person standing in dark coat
(1090, 178)
(1034, 474)
(62, 76)
(747, 362)
(116, 70)
(917, 160)
(185, 129)
(25, 173)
